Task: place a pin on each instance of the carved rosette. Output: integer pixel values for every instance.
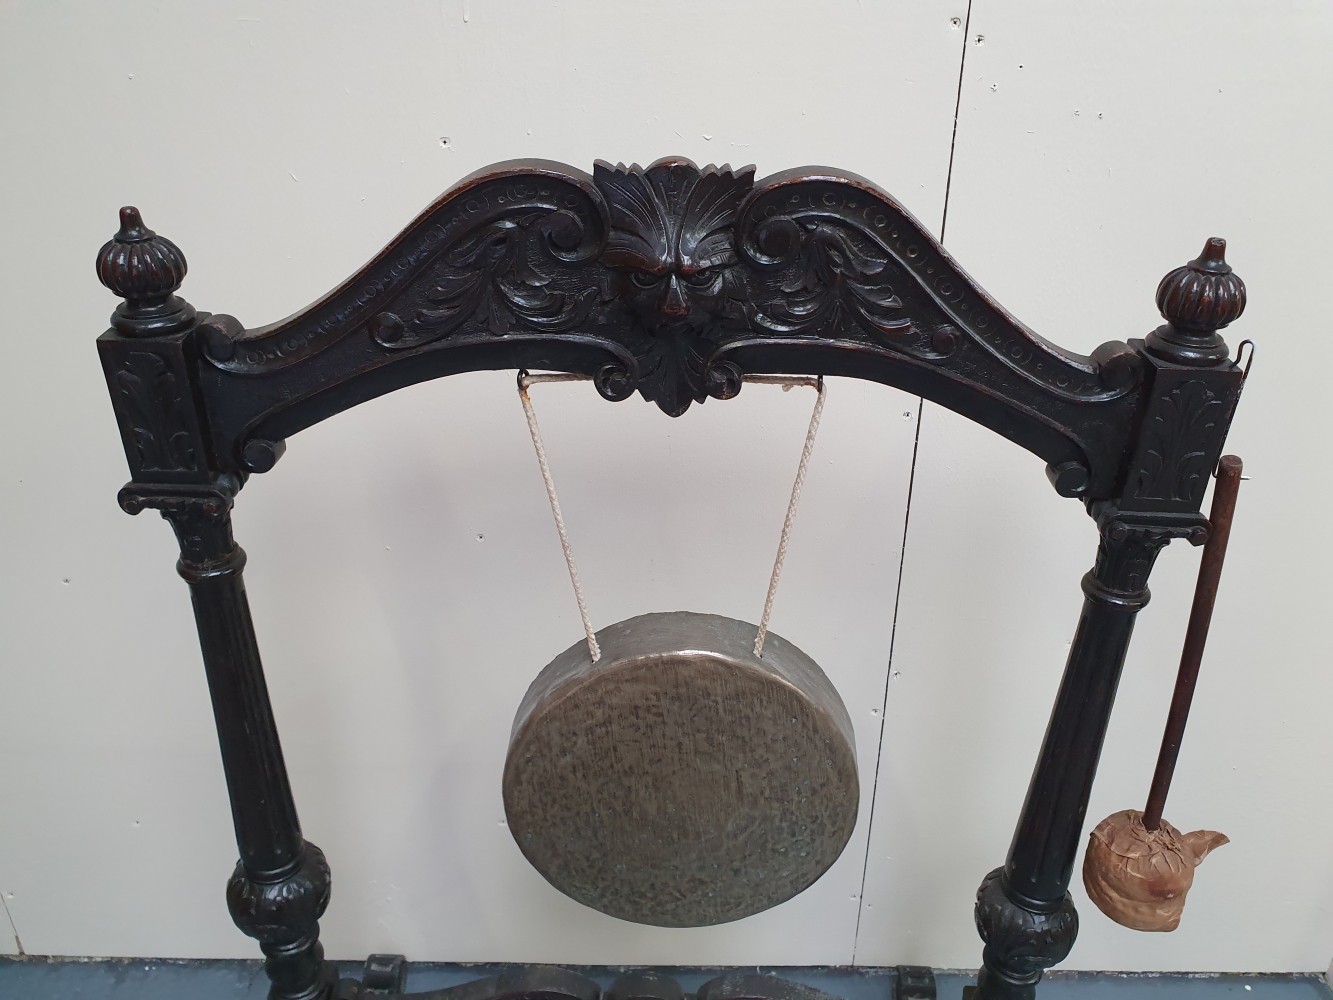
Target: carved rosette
(144, 269)
(1196, 301)
(1020, 943)
(282, 912)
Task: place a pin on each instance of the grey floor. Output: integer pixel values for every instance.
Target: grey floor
(146, 979)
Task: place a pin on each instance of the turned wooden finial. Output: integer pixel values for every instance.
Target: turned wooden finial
(1196, 301)
(144, 269)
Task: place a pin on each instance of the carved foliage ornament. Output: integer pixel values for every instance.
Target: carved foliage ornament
(151, 398)
(668, 269)
(1022, 943)
(279, 911)
(673, 254)
(1179, 434)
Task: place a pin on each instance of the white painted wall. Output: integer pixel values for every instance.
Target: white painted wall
(1097, 146)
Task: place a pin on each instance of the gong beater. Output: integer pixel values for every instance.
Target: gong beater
(681, 769)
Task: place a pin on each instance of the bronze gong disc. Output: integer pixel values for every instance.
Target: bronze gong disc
(681, 780)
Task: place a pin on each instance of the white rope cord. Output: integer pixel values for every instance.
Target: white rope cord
(818, 386)
(525, 380)
(787, 383)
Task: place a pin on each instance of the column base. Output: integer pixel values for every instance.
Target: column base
(283, 915)
(1022, 941)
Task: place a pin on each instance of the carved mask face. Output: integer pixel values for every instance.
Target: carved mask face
(672, 234)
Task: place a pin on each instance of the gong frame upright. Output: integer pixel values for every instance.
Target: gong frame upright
(674, 282)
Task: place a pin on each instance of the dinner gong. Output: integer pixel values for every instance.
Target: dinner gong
(681, 769)
(681, 780)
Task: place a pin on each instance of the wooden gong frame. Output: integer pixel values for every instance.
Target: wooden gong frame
(674, 283)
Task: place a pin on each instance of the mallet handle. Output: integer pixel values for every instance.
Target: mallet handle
(1201, 615)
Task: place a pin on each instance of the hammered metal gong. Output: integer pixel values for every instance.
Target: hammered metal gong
(681, 780)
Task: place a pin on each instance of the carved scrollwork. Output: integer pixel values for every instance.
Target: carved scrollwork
(615, 382)
(675, 266)
(502, 252)
(495, 279)
(918, 301)
(831, 279)
(671, 282)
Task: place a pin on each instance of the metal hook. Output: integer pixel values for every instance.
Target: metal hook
(1245, 372)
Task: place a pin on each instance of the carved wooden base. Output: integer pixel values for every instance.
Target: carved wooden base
(545, 982)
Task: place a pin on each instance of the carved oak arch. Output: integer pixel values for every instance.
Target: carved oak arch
(672, 282)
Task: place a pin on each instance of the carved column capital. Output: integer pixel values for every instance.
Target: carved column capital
(201, 517)
(1130, 543)
(1124, 526)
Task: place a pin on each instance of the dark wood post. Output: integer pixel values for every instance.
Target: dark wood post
(280, 887)
(281, 884)
(1023, 911)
